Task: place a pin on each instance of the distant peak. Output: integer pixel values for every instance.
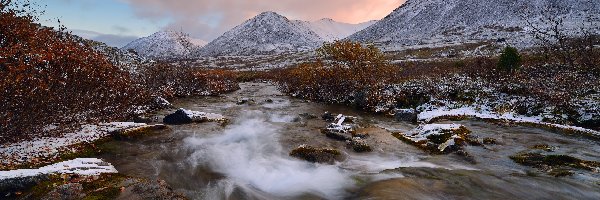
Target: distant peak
(327, 20)
(269, 13)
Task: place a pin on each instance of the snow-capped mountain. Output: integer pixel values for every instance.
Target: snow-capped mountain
(420, 22)
(330, 30)
(267, 33)
(165, 45)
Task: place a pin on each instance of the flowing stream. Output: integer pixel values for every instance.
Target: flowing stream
(248, 158)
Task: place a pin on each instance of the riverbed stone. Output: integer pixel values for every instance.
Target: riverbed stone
(407, 115)
(318, 155)
(177, 118)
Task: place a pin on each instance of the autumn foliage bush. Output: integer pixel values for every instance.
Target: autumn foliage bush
(346, 73)
(169, 81)
(47, 77)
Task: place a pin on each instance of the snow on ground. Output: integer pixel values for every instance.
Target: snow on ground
(81, 166)
(203, 116)
(422, 132)
(431, 112)
(48, 147)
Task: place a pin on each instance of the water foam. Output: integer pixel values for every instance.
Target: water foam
(249, 154)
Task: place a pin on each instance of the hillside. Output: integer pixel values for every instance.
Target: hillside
(164, 45)
(267, 33)
(456, 21)
(331, 30)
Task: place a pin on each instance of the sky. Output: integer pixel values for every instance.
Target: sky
(118, 22)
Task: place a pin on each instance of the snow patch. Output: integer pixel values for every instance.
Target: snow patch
(81, 166)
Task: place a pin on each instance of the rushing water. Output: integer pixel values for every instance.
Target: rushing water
(248, 159)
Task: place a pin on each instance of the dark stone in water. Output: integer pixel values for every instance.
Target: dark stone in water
(359, 145)
(177, 118)
(319, 155)
(407, 115)
(327, 116)
(308, 116)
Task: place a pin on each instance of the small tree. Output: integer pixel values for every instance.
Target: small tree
(510, 60)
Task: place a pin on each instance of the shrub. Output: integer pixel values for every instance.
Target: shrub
(170, 81)
(510, 60)
(346, 72)
(47, 77)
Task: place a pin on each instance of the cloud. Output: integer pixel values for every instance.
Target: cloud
(207, 19)
(109, 39)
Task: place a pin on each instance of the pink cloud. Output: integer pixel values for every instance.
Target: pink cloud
(207, 19)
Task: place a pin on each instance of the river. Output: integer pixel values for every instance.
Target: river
(248, 158)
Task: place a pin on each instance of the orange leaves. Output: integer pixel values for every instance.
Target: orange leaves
(349, 73)
(49, 77)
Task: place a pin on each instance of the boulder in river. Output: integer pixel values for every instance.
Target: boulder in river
(359, 145)
(183, 116)
(407, 115)
(339, 130)
(318, 155)
(437, 138)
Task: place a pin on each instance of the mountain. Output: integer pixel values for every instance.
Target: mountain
(267, 33)
(330, 30)
(165, 45)
(419, 22)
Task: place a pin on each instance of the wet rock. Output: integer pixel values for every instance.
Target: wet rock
(338, 132)
(318, 155)
(178, 118)
(243, 101)
(360, 135)
(489, 141)
(269, 100)
(550, 163)
(327, 116)
(407, 115)
(308, 116)
(142, 119)
(131, 133)
(182, 116)
(10, 187)
(437, 138)
(359, 145)
(543, 147)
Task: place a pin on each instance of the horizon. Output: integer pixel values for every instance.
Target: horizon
(128, 20)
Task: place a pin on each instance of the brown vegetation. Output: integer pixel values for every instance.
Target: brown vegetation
(346, 72)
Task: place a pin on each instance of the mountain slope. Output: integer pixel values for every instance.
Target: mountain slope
(267, 33)
(330, 30)
(164, 45)
(443, 21)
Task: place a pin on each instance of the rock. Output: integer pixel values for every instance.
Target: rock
(437, 138)
(162, 102)
(318, 155)
(338, 132)
(359, 145)
(244, 101)
(549, 163)
(142, 119)
(328, 117)
(407, 115)
(308, 116)
(489, 141)
(183, 116)
(178, 118)
(269, 100)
